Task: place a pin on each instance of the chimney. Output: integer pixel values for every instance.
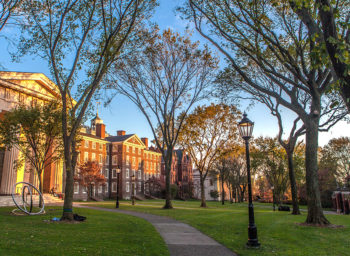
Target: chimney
(101, 130)
(145, 141)
(120, 133)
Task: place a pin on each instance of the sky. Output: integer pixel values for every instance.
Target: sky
(122, 114)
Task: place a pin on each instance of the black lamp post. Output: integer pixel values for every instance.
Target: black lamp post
(133, 190)
(245, 127)
(118, 173)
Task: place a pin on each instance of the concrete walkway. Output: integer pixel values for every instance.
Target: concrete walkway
(181, 239)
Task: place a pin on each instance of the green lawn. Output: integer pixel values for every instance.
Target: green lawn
(278, 232)
(103, 233)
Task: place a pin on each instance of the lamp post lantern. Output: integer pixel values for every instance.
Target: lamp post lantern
(133, 190)
(245, 127)
(118, 173)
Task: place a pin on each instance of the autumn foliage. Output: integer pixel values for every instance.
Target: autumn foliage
(89, 175)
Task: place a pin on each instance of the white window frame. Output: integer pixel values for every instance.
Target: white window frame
(127, 187)
(127, 174)
(127, 148)
(114, 186)
(114, 173)
(76, 185)
(86, 144)
(106, 173)
(107, 159)
(86, 156)
(93, 145)
(93, 157)
(139, 174)
(99, 189)
(115, 160)
(106, 187)
(139, 186)
(100, 146)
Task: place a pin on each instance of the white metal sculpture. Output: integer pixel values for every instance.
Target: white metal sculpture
(27, 203)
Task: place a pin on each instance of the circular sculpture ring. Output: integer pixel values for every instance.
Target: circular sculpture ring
(27, 190)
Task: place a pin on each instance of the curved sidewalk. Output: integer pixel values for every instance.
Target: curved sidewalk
(181, 239)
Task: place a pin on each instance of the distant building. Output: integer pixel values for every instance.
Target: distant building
(125, 152)
(211, 183)
(181, 173)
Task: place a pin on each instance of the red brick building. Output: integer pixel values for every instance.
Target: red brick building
(181, 173)
(126, 153)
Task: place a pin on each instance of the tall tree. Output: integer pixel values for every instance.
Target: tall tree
(327, 23)
(269, 158)
(269, 51)
(165, 78)
(336, 156)
(209, 133)
(81, 40)
(36, 132)
(7, 10)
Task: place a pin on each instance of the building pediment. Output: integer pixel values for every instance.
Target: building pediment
(135, 140)
(32, 84)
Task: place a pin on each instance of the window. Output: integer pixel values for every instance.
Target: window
(87, 144)
(106, 187)
(139, 175)
(127, 189)
(100, 188)
(127, 173)
(101, 146)
(127, 160)
(114, 173)
(94, 145)
(84, 190)
(106, 173)
(115, 160)
(133, 173)
(107, 159)
(133, 161)
(86, 156)
(76, 188)
(93, 157)
(127, 148)
(100, 159)
(107, 148)
(114, 187)
(139, 186)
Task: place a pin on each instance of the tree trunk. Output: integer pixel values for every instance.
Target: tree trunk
(41, 189)
(315, 212)
(203, 202)
(293, 185)
(168, 204)
(69, 188)
(222, 190)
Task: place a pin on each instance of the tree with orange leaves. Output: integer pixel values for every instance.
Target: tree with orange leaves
(89, 174)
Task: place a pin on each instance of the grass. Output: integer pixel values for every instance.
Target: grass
(103, 233)
(279, 232)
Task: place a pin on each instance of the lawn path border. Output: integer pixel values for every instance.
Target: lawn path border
(181, 238)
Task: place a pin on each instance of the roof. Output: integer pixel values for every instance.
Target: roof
(119, 138)
(96, 117)
(90, 135)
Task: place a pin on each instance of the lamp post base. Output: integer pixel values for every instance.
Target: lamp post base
(253, 238)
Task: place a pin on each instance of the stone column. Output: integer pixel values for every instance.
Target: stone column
(9, 175)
